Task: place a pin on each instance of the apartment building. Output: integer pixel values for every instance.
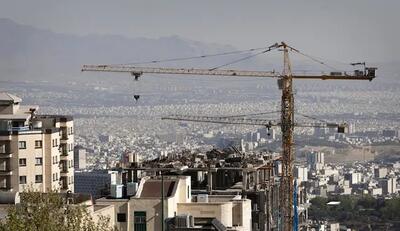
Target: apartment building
(177, 208)
(36, 151)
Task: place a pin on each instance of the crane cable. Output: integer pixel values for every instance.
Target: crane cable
(196, 57)
(313, 118)
(270, 48)
(251, 114)
(315, 59)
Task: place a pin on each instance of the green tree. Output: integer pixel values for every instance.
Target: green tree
(391, 210)
(50, 212)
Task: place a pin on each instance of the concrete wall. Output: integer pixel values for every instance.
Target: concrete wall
(105, 212)
(152, 207)
(30, 154)
(120, 206)
(221, 211)
(241, 215)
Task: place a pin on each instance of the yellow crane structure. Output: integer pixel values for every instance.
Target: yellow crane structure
(341, 127)
(285, 83)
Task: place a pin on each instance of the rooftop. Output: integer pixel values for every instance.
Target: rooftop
(152, 188)
(23, 113)
(7, 97)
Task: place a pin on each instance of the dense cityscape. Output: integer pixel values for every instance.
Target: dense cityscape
(229, 116)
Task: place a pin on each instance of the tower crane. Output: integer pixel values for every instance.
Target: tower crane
(341, 127)
(285, 83)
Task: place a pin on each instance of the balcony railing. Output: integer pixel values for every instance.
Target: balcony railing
(17, 129)
(5, 187)
(6, 155)
(64, 152)
(5, 150)
(5, 171)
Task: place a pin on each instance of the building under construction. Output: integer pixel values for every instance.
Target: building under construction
(225, 172)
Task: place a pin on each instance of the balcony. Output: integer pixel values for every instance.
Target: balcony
(6, 155)
(5, 183)
(6, 172)
(8, 126)
(64, 137)
(18, 129)
(5, 168)
(5, 151)
(64, 183)
(63, 150)
(63, 153)
(5, 188)
(63, 166)
(63, 133)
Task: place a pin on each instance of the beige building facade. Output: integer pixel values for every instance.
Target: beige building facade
(145, 211)
(36, 151)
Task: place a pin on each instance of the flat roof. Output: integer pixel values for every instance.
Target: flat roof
(58, 118)
(7, 97)
(23, 113)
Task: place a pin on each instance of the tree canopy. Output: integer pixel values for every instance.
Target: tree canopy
(49, 211)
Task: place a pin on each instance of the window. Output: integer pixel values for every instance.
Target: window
(22, 144)
(55, 142)
(2, 148)
(22, 179)
(121, 217)
(38, 179)
(55, 176)
(22, 162)
(70, 147)
(55, 160)
(38, 144)
(140, 220)
(39, 160)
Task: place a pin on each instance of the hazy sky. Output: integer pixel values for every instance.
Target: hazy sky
(338, 29)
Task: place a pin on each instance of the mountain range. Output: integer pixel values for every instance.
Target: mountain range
(31, 54)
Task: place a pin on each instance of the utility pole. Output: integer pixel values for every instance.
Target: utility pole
(162, 201)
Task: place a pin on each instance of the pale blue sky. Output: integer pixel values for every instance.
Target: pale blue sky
(352, 29)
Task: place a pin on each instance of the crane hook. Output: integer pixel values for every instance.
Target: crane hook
(136, 75)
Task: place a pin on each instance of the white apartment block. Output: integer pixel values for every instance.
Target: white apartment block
(36, 151)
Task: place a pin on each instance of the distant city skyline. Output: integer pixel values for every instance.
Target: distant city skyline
(339, 30)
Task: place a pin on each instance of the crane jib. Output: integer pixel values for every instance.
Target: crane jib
(137, 71)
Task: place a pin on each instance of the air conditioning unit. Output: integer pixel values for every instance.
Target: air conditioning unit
(131, 188)
(116, 190)
(202, 198)
(184, 221)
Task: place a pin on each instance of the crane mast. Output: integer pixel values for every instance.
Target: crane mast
(287, 120)
(285, 82)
